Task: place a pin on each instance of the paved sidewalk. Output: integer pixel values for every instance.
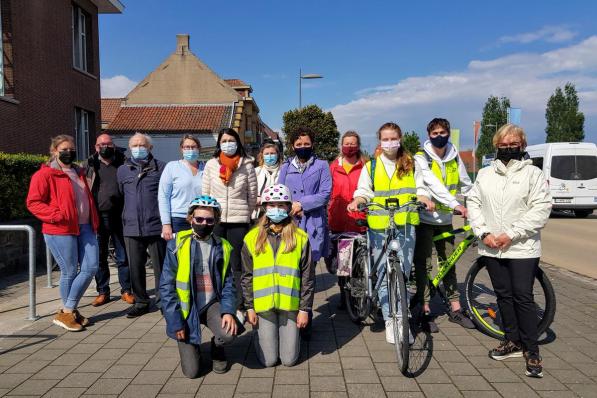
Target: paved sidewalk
(121, 357)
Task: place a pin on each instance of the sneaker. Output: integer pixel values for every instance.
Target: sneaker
(534, 366)
(81, 320)
(460, 318)
(506, 349)
(134, 311)
(218, 358)
(67, 321)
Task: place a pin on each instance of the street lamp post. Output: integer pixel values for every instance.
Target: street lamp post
(301, 77)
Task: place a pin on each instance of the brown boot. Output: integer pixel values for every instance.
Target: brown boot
(81, 320)
(127, 297)
(67, 321)
(101, 300)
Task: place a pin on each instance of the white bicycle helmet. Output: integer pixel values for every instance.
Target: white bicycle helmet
(276, 193)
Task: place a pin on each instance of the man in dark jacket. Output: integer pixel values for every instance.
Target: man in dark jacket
(138, 180)
(100, 169)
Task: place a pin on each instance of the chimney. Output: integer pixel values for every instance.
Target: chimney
(182, 44)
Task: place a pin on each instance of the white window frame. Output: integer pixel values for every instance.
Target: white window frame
(1, 55)
(82, 133)
(80, 39)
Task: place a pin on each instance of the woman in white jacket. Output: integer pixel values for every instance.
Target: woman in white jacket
(230, 178)
(267, 172)
(508, 206)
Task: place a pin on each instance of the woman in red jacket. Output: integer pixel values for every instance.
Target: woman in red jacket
(345, 171)
(60, 197)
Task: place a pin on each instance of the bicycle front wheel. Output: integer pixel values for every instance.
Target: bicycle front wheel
(357, 300)
(481, 301)
(397, 296)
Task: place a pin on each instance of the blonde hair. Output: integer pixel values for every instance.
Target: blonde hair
(510, 129)
(59, 139)
(404, 160)
(288, 235)
(265, 146)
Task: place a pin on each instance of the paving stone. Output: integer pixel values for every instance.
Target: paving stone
(329, 394)
(361, 376)
(141, 390)
(502, 375)
(325, 369)
(570, 376)
(27, 367)
(10, 381)
(400, 383)
(431, 376)
(231, 377)
(290, 391)
(109, 386)
(481, 394)
(258, 372)
(122, 372)
(216, 391)
(404, 394)
(34, 387)
(291, 376)
(514, 390)
(440, 390)
(471, 383)
(71, 359)
(557, 394)
(365, 390)
(459, 369)
(53, 372)
(181, 386)
(95, 366)
(357, 363)
(152, 377)
(584, 390)
(254, 385)
(108, 353)
(85, 348)
(58, 392)
(547, 383)
(162, 363)
(330, 383)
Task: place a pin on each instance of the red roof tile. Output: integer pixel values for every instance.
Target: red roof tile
(236, 83)
(110, 107)
(171, 118)
(467, 159)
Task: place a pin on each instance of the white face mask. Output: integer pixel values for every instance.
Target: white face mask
(390, 147)
(229, 148)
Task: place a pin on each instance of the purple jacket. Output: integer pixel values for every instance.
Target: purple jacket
(312, 189)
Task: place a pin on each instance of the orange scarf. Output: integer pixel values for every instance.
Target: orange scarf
(227, 166)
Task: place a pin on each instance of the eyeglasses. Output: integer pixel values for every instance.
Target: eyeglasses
(443, 133)
(504, 145)
(206, 220)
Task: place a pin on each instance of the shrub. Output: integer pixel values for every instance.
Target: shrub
(15, 173)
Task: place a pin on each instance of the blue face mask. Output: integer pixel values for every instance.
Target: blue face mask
(139, 152)
(276, 214)
(229, 148)
(190, 155)
(270, 159)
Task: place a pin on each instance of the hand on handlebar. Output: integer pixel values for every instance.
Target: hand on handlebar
(355, 205)
(429, 204)
(461, 211)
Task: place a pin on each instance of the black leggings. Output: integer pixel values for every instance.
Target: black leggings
(512, 281)
(234, 233)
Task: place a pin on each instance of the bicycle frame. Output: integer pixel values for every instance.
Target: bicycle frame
(446, 265)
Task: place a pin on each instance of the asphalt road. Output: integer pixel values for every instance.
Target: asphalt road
(571, 243)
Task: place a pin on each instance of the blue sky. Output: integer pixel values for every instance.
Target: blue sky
(382, 60)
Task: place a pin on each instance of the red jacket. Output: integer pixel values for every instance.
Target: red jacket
(343, 187)
(51, 199)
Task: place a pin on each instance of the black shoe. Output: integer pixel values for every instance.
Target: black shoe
(218, 358)
(534, 366)
(428, 325)
(135, 312)
(460, 318)
(506, 349)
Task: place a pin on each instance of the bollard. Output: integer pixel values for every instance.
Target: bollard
(31, 232)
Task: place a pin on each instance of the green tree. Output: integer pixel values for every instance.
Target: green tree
(495, 115)
(564, 122)
(324, 125)
(411, 142)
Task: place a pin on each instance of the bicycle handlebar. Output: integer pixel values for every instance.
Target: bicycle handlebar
(413, 203)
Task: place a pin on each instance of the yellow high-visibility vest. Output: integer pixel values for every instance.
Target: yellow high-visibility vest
(276, 279)
(183, 274)
(384, 188)
(450, 181)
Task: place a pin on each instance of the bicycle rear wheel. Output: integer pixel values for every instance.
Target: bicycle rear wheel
(397, 296)
(357, 300)
(481, 301)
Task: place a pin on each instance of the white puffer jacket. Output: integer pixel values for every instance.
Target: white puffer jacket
(514, 200)
(238, 198)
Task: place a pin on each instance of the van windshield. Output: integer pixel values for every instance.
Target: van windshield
(572, 167)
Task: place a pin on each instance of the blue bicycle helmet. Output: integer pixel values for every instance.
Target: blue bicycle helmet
(203, 201)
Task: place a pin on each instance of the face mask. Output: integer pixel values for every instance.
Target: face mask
(276, 215)
(439, 141)
(229, 148)
(106, 152)
(508, 154)
(67, 157)
(139, 152)
(270, 159)
(202, 231)
(304, 153)
(190, 155)
(390, 147)
(349, 151)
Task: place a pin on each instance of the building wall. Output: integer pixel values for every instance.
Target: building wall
(46, 86)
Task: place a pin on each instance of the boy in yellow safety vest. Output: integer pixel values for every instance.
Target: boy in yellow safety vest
(278, 279)
(197, 288)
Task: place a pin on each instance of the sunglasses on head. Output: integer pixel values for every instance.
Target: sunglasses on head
(206, 220)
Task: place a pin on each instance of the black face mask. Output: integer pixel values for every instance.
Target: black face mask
(67, 157)
(508, 154)
(304, 153)
(106, 152)
(439, 141)
(202, 231)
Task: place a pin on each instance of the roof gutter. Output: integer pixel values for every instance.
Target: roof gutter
(108, 6)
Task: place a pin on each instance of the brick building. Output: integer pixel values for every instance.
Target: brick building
(184, 96)
(49, 72)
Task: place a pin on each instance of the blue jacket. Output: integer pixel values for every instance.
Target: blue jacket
(139, 186)
(225, 292)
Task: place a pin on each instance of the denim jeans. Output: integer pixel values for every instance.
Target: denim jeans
(406, 237)
(111, 227)
(70, 252)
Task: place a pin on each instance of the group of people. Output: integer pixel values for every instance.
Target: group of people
(232, 243)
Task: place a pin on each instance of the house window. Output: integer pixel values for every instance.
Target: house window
(81, 40)
(82, 125)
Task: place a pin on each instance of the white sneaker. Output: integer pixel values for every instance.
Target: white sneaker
(390, 332)
(240, 315)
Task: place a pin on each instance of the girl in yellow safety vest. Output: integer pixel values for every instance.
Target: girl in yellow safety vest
(391, 174)
(278, 279)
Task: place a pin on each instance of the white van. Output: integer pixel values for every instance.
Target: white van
(571, 171)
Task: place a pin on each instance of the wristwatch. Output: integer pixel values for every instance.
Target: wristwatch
(483, 236)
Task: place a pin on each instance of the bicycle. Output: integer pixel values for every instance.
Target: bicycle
(481, 302)
(364, 283)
